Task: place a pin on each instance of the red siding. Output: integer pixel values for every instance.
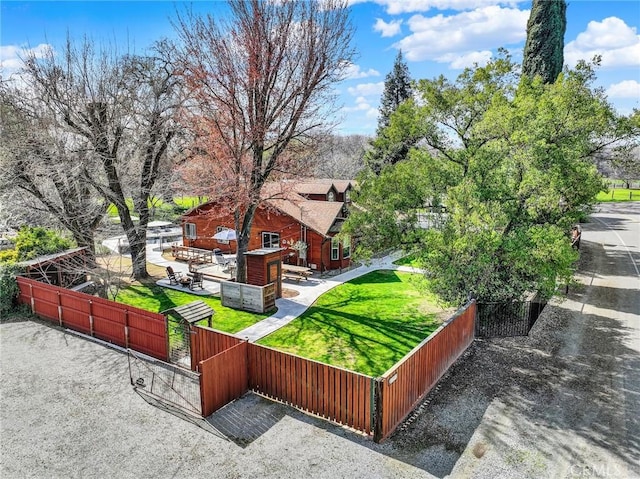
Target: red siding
(290, 230)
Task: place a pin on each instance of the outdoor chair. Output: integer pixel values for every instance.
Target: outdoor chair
(174, 277)
(220, 259)
(196, 281)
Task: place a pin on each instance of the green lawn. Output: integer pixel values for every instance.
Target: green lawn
(156, 298)
(409, 260)
(618, 195)
(184, 202)
(365, 325)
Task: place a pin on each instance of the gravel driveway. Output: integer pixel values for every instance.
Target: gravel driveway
(563, 402)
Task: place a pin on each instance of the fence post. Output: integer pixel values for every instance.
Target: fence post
(126, 328)
(32, 299)
(377, 409)
(59, 308)
(91, 317)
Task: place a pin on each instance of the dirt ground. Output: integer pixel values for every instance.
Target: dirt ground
(562, 402)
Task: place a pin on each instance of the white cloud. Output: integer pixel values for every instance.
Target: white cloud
(11, 56)
(366, 89)
(387, 29)
(361, 108)
(395, 7)
(612, 38)
(464, 60)
(353, 71)
(466, 36)
(624, 89)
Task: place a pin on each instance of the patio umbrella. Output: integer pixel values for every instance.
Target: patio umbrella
(226, 235)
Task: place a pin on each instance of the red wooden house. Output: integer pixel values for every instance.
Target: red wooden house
(304, 221)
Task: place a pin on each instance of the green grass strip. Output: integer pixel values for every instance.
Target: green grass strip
(155, 298)
(618, 195)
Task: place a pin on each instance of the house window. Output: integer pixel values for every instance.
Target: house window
(270, 240)
(331, 196)
(335, 249)
(346, 248)
(190, 231)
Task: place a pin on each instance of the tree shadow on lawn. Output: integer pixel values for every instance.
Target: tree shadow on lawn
(367, 338)
(532, 382)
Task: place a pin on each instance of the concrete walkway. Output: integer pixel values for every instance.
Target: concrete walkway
(308, 291)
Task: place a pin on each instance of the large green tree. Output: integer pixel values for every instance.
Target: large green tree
(511, 161)
(543, 50)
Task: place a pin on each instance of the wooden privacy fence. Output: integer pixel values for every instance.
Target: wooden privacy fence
(207, 342)
(401, 388)
(109, 321)
(223, 378)
(336, 394)
(231, 366)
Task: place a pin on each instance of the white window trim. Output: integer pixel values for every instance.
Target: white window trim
(346, 246)
(190, 231)
(271, 235)
(335, 249)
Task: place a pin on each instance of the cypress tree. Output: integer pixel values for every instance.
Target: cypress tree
(543, 50)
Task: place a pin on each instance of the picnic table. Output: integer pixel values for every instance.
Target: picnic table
(290, 271)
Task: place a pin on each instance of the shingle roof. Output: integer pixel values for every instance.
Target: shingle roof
(322, 185)
(317, 215)
(287, 197)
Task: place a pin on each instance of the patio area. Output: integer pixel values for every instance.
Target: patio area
(209, 288)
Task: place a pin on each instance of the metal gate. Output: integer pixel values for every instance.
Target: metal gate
(514, 318)
(179, 333)
(167, 383)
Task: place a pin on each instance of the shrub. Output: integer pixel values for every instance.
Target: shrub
(33, 241)
(8, 288)
(9, 256)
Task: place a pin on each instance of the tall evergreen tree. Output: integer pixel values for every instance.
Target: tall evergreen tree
(543, 50)
(397, 88)
(384, 148)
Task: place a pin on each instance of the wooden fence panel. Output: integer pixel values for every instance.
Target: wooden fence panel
(117, 323)
(336, 394)
(403, 387)
(207, 342)
(109, 321)
(224, 377)
(147, 333)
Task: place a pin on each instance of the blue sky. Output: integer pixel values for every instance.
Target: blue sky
(436, 37)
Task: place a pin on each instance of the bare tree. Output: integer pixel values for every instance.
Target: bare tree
(261, 87)
(341, 157)
(40, 170)
(117, 112)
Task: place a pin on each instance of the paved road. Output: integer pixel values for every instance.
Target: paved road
(569, 405)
